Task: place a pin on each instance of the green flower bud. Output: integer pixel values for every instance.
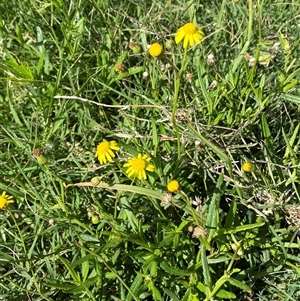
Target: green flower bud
(169, 44)
(37, 153)
(136, 48)
(95, 181)
(41, 160)
(95, 219)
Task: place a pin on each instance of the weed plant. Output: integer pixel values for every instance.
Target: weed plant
(194, 190)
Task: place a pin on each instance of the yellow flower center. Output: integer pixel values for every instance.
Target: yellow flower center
(138, 164)
(103, 147)
(189, 28)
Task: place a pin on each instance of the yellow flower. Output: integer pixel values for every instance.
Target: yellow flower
(5, 199)
(173, 186)
(138, 166)
(248, 167)
(190, 33)
(155, 50)
(105, 150)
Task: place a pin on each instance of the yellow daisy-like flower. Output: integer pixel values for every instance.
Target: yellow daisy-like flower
(5, 199)
(248, 167)
(173, 186)
(138, 166)
(155, 49)
(190, 33)
(105, 150)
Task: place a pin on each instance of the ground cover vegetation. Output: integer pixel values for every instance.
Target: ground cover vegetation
(149, 150)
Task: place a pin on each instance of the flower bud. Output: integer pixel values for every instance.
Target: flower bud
(95, 219)
(95, 181)
(41, 160)
(169, 44)
(136, 48)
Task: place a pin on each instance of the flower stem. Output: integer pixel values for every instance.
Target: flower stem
(177, 79)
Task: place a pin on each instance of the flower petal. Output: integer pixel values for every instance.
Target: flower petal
(191, 39)
(186, 41)
(150, 168)
(115, 146)
(111, 153)
(197, 38)
(109, 158)
(179, 36)
(131, 173)
(102, 159)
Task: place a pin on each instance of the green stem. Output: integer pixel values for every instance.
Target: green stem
(250, 21)
(259, 21)
(19, 231)
(59, 199)
(177, 79)
(195, 217)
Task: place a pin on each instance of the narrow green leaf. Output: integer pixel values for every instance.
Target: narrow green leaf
(222, 155)
(225, 294)
(67, 264)
(218, 260)
(202, 287)
(231, 214)
(171, 294)
(291, 97)
(212, 220)
(289, 150)
(135, 286)
(153, 268)
(241, 228)
(121, 187)
(239, 284)
(58, 284)
(172, 270)
(88, 238)
(206, 273)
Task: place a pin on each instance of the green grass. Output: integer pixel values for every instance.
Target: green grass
(226, 234)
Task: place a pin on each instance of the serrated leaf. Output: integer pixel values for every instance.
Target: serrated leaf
(89, 238)
(155, 292)
(241, 228)
(172, 270)
(67, 264)
(171, 294)
(225, 294)
(202, 287)
(135, 286)
(153, 268)
(239, 284)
